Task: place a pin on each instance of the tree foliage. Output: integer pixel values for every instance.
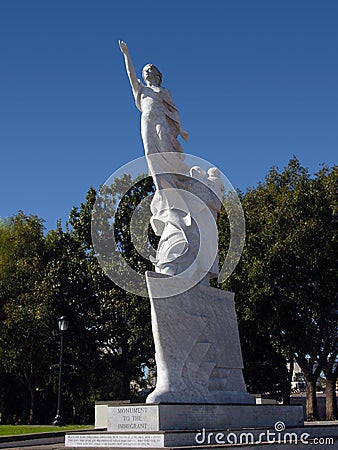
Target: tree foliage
(123, 323)
(286, 280)
(285, 287)
(24, 312)
(45, 276)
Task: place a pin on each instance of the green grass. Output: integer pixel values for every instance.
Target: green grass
(9, 430)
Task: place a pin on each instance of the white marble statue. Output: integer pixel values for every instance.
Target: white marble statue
(197, 348)
(184, 208)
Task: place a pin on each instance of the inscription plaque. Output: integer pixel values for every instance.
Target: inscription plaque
(114, 440)
(133, 418)
(145, 418)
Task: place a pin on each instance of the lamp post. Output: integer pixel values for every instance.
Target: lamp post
(63, 323)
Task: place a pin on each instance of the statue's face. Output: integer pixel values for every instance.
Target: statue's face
(151, 75)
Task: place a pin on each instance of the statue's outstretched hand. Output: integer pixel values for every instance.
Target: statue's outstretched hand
(123, 47)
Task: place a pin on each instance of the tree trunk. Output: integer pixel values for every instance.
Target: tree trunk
(125, 385)
(287, 384)
(311, 400)
(32, 409)
(331, 398)
(74, 415)
(30, 382)
(3, 412)
(330, 370)
(311, 370)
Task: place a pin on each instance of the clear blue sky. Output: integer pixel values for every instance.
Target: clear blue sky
(255, 82)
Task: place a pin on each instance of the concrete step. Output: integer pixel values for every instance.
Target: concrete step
(320, 436)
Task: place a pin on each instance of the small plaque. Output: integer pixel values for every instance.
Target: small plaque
(114, 440)
(134, 418)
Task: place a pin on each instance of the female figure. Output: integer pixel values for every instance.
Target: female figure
(160, 123)
(172, 208)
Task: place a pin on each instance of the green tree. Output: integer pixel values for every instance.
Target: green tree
(265, 370)
(24, 334)
(123, 322)
(286, 278)
(72, 294)
(44, 277)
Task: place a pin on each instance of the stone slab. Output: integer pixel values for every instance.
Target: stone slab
(133, 418)
(325, 436)
(101, 411)
(114, 440)
(164, 417)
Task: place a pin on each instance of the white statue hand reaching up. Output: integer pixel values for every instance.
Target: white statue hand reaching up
(123, 47)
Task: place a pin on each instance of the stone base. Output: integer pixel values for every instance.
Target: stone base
(194, 425)
(165, 417)
(290, 439)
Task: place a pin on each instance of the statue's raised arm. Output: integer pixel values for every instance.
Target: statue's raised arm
(134, 82)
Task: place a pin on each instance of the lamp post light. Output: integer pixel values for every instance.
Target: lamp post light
(63, 323)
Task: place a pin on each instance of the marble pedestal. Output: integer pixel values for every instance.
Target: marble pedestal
(181, 417)
(197, 347)
(180, 425)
